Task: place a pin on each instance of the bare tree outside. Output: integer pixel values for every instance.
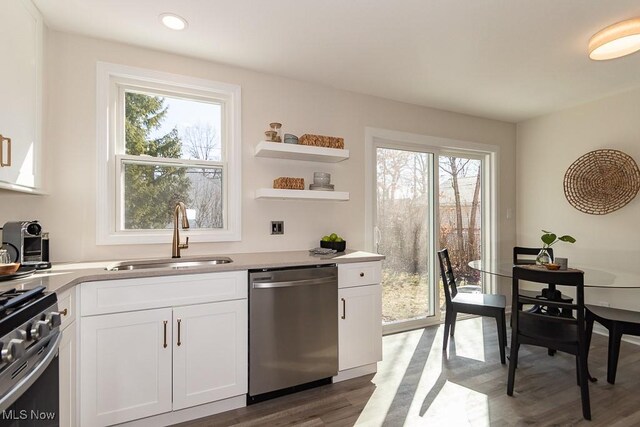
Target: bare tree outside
(403, 220)
(202, 142)
(403, 186)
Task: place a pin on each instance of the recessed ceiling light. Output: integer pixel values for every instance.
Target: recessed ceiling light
(173, 21)
(620, 39)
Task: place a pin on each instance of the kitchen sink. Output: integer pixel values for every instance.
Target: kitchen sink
(170, 264)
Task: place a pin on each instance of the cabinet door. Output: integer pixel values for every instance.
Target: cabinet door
(67, 358)
(20, 84)
(360, 326)
(125, 372)
(210, 352)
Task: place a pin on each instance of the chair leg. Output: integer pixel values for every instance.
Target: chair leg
(502, 335)
(513, 362)
(588, 331)
(453, 323)
(578, 370)
(615, 336)
(445, 340)
(584, 385)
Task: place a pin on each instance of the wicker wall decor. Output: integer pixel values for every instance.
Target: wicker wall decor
(601, 181)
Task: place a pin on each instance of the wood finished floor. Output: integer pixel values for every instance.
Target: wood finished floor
(416, 386)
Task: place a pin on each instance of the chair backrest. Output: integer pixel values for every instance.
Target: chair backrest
(448, 279)
(529, 254)
(543, 328)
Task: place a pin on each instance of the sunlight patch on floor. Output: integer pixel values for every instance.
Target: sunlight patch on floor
(411, 388)
(454, 405)
(469, 339)
(398, 352)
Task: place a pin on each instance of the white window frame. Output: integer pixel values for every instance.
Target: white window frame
(111, 82)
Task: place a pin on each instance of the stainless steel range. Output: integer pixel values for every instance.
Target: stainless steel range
(29, 339)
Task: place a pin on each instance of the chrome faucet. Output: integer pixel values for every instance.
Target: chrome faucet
(176, 245)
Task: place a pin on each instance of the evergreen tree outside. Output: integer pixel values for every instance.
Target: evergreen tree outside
(151, 191)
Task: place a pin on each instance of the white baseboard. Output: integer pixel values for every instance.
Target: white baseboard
(356, 372)
(188, 414)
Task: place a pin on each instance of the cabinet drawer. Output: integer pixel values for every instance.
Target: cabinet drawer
(67, 306)
(112, 296)
(358, 274)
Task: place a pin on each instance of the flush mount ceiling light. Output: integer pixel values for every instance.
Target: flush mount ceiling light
(173, 21)
(620, 39)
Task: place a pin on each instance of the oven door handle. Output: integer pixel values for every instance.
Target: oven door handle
(33, 376)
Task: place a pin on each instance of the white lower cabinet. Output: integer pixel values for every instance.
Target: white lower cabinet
(210, 360)
(359, 326)
(125, 366)
(152, 361)
(67, 360)
(360, 319)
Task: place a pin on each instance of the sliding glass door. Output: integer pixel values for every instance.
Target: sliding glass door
(460, 218)
(424, 199)
(404, 190)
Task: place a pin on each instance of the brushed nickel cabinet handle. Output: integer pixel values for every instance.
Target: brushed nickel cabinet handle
(165, 334)
(344, 308)
(361, 274)
(3, 161)
(179, 322)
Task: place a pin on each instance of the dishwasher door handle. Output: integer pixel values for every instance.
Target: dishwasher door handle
(292, 283)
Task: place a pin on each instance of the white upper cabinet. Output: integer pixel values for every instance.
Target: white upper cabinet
(20, 95)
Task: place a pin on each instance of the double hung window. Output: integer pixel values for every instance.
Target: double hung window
(163, 139)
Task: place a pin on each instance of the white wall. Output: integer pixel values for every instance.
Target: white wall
(546, 147)
(68, 212)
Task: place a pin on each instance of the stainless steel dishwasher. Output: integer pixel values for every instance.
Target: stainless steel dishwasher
(293, 329)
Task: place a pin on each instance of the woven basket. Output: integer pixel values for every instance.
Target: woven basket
(601, 181)
(287, 183)
(321, 141)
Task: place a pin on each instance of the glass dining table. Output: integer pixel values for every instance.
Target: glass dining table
(593, 278)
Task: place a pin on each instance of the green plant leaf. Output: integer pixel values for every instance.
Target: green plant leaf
(567, 238)
(548, 238)
(547, 232)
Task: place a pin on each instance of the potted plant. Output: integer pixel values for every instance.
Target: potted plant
(549, 239)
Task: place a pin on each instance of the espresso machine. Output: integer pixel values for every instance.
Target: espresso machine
(27, 242)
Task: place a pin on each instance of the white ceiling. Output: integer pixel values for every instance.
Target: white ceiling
(503, 59)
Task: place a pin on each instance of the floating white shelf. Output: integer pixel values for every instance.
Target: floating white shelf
(310, 153)
(275, 193)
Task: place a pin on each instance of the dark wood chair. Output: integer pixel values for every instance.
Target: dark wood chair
(523, 255)
(619, 322)
(562, 332)
(527, 256)
(470, 303)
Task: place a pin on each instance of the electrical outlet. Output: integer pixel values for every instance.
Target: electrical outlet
(277, 227)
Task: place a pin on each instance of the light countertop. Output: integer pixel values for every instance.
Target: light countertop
(64, 276)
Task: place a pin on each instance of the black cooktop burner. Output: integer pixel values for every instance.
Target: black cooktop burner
(13, 299)
(19, 305)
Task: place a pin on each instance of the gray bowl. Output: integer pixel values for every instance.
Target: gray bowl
(290, 139)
